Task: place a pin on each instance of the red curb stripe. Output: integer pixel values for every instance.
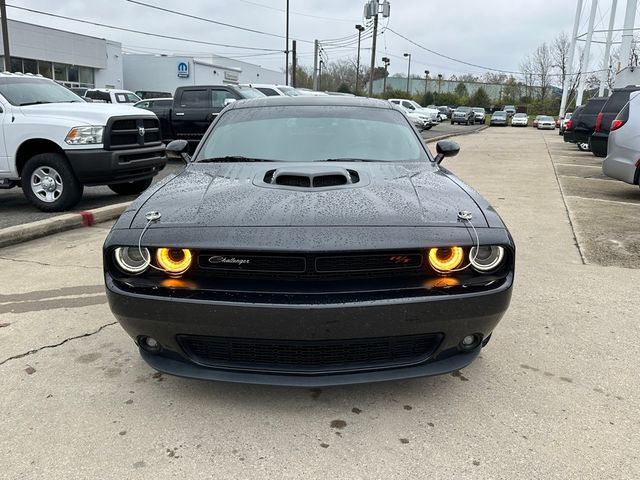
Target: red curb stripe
(87, 218)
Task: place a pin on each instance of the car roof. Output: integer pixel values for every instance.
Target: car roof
(304, 101)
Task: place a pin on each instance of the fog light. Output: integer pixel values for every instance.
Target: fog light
(470, 342)
(149, 344)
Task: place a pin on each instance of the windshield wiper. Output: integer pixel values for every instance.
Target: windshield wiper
(233, 158)
(39, 102)
(350, 160)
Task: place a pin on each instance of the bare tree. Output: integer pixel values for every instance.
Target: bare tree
(559, 50)
(542, 65)
(526, 67)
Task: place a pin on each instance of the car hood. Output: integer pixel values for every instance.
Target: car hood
(412, 194)
(87, 113)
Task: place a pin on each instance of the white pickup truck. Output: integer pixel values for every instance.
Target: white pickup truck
(53, 143)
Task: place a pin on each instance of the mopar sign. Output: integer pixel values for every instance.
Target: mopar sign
(183, 69)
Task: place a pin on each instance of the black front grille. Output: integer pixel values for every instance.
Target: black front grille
(311, 266)
(293, 181)
(308, 356)
(128, 132)
(329, 181)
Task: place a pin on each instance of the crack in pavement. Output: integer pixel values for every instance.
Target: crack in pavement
(35, 262)
(36, 350)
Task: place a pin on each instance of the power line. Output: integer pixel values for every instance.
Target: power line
(209, 20)
(140, 32)
(295, 13)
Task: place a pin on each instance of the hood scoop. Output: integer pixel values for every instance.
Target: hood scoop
(310, 177)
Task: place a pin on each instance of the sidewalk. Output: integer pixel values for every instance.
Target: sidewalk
(554, 396)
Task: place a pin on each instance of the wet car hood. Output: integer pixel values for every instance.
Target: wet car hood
(215, 194)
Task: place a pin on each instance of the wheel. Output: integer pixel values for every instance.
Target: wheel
(131, 188)
(583, 147)
(49, 183)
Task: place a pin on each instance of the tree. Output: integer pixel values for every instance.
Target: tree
(461, 90)
(480, 98)
(542, 64)
(344, 88)
(559, 50)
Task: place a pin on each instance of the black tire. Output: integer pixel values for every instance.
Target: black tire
(50, 167)
(583, 147)
(131, 188)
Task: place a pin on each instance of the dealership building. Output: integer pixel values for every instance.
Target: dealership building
(76, 60)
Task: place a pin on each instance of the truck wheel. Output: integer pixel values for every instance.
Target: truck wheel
(583, 147)
(49, 183)
(131, 188)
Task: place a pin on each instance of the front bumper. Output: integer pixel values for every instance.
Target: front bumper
(450, 317)
(99, 166)
(546, 127)
(599, 143)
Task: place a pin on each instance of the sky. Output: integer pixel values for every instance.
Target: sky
(489, 33)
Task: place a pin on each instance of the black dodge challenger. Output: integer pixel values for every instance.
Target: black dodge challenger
(310, 241)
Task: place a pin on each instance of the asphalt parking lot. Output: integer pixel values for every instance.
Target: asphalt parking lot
(553, 396)
(445, 128)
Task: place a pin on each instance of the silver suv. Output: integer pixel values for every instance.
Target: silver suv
(622, 162)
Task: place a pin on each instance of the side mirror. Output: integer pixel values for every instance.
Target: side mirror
(446, 148)
(229, 101)
(178, 150)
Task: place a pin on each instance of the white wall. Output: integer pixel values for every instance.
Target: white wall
(627, 76)
(111, 76)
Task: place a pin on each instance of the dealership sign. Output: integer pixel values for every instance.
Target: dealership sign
(183, 69)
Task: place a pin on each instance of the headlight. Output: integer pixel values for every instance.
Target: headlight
(84, 135)
(131, 260)
(486, 258)
(445, 259)
(174, 261)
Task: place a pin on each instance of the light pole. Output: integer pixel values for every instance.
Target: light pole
(360, 29)
(320, 75)
(372, 10)
(286, 51)
(426, 77)
(408, 71)
(386, 62)
(439, 82)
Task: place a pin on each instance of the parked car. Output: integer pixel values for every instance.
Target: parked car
(410, 105)
(618, 99)
(109, 95)
(444, 109)
(563, 123)
(520, 120)
(536, 120)
(274, 90)
(161, 107)
(419, 120)
(623, 145)
(80, 91)
(146, 94)
(583, 123)
(54, 143)
(463, 115)
(195, 107)
(480, 115)
(281, 260)
(510, 109)
(307, 92)
(498, 118)
(545, 122)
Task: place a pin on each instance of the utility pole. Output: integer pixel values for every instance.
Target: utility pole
(315, 64)
(294, 63)
(286, 50)
(386, 62)
(372, 9)
(408, 71)
(586, 53)
(627, 34)
(604, 75)
(572, 49)
(5, 36)
(426, 77)
(439, 82)
(320, 75)
(360, 29)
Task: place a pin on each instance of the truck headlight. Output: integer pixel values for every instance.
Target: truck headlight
(84, 135)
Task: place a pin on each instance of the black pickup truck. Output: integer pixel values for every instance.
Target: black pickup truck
(195, 107)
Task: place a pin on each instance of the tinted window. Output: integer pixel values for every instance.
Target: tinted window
(463, 109)
(269, 92)
(499, 114)
(143, 104)
(163, 103)
(624, 113)
(308, 134)
(593, 106)
(219, 96)
(616, 102)
(249, 92)
(194, 98)
(98, 95)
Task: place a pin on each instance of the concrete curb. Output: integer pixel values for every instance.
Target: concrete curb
(455, 134)
(68, 221)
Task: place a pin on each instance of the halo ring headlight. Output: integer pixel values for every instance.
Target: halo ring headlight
(174, 261)
(446, 259)
(132, 260)
(486, 258)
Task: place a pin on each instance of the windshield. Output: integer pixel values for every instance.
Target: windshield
(520, 115)
(546, 119)
(289, 91)
(127, 97)
(478, 110)
(500, 114)
(463, 109)
(33, 91)
(415, 104)
(249, 92)
(312, 134)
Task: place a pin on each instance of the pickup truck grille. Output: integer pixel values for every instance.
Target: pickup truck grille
(132, 132)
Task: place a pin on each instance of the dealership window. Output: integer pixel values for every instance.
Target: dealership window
(44, 69)
(60, 72)
(72, 72)
(30, 66)
(16, 64)
(86, 75)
